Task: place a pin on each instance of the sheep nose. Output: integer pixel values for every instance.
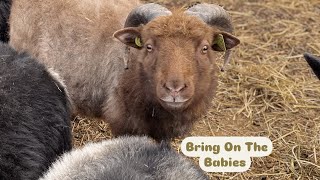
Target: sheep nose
(175, 88)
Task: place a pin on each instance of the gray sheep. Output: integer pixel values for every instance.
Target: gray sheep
(124, 158)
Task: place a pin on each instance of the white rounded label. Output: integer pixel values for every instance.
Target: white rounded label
(226, 154)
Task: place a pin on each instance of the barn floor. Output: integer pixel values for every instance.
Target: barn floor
(267, 90)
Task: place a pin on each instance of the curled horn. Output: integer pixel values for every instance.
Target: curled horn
(145, 13)
(214, 15)
(142, 15)
(314, 63)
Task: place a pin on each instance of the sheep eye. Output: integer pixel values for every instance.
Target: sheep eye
(149, 48)
(205, 49)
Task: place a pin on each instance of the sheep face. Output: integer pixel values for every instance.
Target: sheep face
(178, 56)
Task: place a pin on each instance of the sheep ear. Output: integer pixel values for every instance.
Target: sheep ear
(224, 41)
(129, 36)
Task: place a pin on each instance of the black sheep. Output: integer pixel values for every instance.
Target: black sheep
(4, 17)
(34, 116)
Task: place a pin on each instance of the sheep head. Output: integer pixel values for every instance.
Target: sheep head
(177, 52)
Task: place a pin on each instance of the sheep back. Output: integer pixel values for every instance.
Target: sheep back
(34, 116)
(132, 158)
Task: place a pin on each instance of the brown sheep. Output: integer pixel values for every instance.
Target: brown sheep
(156, 80)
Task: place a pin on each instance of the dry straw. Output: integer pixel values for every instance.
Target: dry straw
(267, 90)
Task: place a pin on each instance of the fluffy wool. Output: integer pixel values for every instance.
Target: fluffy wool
(34, 116)
(133, 158)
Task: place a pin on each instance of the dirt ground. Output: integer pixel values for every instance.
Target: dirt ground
(267, 90)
